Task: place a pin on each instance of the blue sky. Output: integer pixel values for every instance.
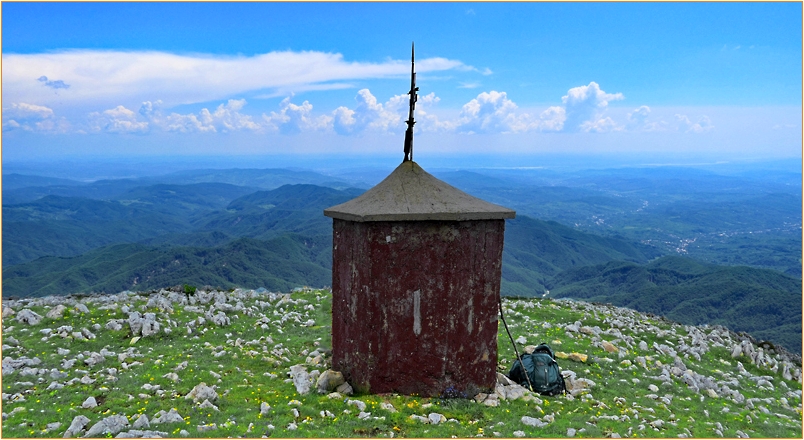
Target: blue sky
(122, 79)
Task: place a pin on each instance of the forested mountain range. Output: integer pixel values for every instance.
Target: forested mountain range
(598, 235)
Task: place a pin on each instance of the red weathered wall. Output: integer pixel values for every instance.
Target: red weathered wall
(377, 340)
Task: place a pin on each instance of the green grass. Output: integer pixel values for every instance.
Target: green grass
(244, 367)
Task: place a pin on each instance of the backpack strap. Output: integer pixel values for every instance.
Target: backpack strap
(544, 348)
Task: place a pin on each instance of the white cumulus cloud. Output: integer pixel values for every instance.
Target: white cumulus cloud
(638, 120)
(225, 118)
(369, 114)
(493, 112)
(116, 120)
(585, 106)
(32, 117)
(293, 118)
(684, 123)
(552, 119)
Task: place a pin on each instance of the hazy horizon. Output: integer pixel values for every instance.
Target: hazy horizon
(88, 169)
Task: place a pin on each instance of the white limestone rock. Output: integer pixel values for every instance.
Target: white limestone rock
(29, 317)
(264, 409)
(171, 416)
(89, 403)
(141, 422)
(77, 425)
(202, 392)
(206, 404)
(56, 312)
(301, 379)
(329, 380)
(110, 425)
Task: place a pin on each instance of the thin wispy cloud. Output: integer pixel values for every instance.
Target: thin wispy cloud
(102, 76)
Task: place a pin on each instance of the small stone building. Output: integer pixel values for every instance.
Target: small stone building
(416, 267)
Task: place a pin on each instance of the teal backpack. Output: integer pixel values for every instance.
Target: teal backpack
(542, 370)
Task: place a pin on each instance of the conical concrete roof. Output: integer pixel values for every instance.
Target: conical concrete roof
(410, 193)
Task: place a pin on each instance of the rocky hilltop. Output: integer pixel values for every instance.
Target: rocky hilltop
(253, 363)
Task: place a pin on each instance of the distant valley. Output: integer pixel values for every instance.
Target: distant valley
(689, 244)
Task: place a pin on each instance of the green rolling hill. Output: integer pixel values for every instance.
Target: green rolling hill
(278, 264)
(221, 234)
(69, 226)
(290, 208)
(764, 303)
(537, 250)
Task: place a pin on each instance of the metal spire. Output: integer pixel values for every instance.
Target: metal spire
(413, 98)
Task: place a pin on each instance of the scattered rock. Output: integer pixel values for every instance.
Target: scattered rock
(358, 403)
(532, 421)
(136, 433)
(149, 325)
(578, 357)
(29, 317)
(329, 380)
(7, 311)
(52, 426)
(202, 392)
(206, 404)
(171, 416)
(345, 389)
(301, 379)
(436, 418)
(206, 428)
(10, 340)
(109, 425)
(419, 418)
(141, 422)
(609, 347)
(492, 400)
(56, 312)
(89, 403)
(77, 425)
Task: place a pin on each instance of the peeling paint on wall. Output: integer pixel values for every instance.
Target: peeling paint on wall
(417, 313)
